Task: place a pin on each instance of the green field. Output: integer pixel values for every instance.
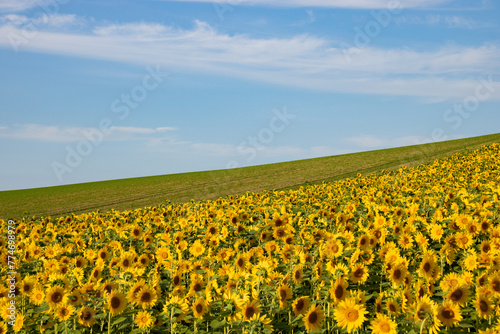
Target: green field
(134, 193)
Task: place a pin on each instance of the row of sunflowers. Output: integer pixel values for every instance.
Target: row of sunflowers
(414, 250)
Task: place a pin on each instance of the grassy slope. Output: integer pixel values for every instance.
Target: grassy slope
(133, 193)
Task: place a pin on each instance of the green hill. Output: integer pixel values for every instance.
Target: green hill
(133, 193)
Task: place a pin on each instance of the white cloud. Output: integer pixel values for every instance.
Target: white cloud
(365, 4)
(17, 5)
(449, 21)
(40, 132)
(303, 61)
(41, 21)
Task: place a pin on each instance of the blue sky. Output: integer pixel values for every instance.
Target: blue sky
(97, 90)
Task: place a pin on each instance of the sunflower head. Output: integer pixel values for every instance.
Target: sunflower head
(314, 318)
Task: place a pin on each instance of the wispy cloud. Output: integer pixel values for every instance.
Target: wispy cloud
(303, 61)
(50, 21)
(449, 21)
(366, 4)
(47, 133)
(18, 5)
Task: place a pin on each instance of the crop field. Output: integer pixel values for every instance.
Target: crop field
(412, 250)
(129, 194)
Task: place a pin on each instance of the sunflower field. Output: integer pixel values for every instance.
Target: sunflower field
(414, 250)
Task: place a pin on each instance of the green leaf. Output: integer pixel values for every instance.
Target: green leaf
(119, 320)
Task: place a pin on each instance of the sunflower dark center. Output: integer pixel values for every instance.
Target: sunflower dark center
(115, 302)
(86, 315)
(427, 267)
(397, 273)
(456, 295)
(282, 295)
(199, 308)
(146, 297)
(448, 313)
(392, 308)
(483, 306)
(176, 280)
(496, 286)
(56, 297)
(300, 305)
(249, 312)
(359, 273)
(313, 317)
(197, 287)
(339, 291)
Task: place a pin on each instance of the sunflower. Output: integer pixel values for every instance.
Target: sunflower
(143, 261)
(338, 292)
(484, 307)
(459, 295)
(450, 281)
(176, 302)
(162, 254)
(449, 314)
(301, 305)
(126, 262)
(143, 320)
(333, 248)
(3, 327)
(56, 296)
(241, 262)
(349, 315)
(284, 294)
(64, 312)
(197, 249)
(397, 274)
(280, 233)
(104, 254)
(494, 281)
(250, 310)
(146, 297)
(424, 308)
(406, 241)
(116, 302)
(96, 274)
(199, 308)
(393, 306)
(314, 318)
(27, 286)
(470, 263)
(382, 324)
(19, 322)
(359, 273)
(132, 292)
(136, 232)
(75, 298)
(298, 274)
(429, 268)
(197, 285)
(37, 296)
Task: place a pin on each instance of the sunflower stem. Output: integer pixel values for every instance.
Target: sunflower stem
(422, 326)
(109, 323)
